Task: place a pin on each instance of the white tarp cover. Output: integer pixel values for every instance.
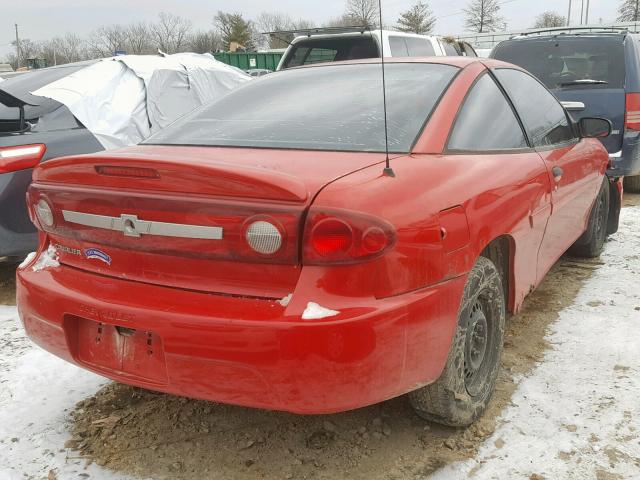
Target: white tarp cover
(123, 100)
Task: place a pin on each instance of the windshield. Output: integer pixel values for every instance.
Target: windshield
(319, 50)
(573, 62)
(21, 86)
(335, 107)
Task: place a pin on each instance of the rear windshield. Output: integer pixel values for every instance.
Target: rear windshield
(319, 50)
(586, 62)
(334, 107)
(21, 86)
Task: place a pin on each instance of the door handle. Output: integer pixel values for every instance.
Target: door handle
(557, 173)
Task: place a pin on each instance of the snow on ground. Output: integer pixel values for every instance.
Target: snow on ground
(578, 415)
(37, 391)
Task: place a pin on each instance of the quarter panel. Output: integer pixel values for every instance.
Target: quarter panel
(501, 194)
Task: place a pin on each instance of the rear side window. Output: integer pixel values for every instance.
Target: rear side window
(542, 115)
(411, 47)
(331, 107)
(486, 121)
(398, 47)
(574, 62)
(419, 47)
(320, 50)
(450, 50)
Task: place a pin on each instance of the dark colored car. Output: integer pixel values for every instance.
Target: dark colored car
(594, 74)
(32, 129)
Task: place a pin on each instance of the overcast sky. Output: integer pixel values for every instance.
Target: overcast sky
(42, 19)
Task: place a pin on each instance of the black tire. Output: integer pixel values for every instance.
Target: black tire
(462, 393)
(632, 184)
(591, 243)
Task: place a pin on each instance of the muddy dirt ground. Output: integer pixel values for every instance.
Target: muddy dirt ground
(159, 436)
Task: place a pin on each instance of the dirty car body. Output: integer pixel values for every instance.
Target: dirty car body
(264, 259)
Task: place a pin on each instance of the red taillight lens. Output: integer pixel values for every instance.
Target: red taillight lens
(20, 157)
(331, 236)
(336, 236)
(632, 115)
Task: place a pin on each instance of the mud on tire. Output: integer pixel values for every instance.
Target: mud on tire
(464, 389)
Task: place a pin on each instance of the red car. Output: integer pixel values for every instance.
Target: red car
(257, 252)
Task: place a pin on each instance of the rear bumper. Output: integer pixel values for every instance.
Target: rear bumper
(242, 351)
(626, 162)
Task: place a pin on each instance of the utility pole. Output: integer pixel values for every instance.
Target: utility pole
(569, 15)
(17, 46)
(586, 18)
(581, 12)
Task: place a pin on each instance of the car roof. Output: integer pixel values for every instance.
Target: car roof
(455, 61)
(566, 36)
(347, 34)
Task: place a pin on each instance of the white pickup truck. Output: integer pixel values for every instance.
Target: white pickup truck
(336, 44)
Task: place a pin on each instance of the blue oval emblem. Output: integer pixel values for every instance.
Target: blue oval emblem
(96, 253)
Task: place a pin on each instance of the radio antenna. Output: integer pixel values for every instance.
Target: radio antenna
(388, 171)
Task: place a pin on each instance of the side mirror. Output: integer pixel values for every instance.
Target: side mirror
(595, 127)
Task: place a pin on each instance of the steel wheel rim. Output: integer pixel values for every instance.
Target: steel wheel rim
(477, 347)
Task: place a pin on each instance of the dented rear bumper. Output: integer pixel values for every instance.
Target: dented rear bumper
(243, 351)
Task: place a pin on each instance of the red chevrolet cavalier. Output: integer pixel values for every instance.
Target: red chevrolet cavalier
(257, 252)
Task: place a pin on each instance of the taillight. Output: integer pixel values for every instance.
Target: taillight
(44, 213)
(20, 157)
(135, 172)
(263, 236)
(632, 113)
(336, 236)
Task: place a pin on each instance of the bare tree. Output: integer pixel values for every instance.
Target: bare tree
(629, 11)
(170, 32)
(418, 19)
(139, 39)
(278, 22)
(70, 48)
(49, 51)
(28, 49)
(550, 19)
(204, 42)
(343, 21)
(232, 27)
(362, 12)
(484, 16)
(107, 40)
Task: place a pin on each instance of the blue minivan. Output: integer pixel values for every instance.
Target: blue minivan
(593, 75)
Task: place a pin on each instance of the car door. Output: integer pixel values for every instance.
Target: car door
(572, 168)
(503, 175)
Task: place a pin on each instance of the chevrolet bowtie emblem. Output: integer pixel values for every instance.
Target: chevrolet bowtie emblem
(132, 226)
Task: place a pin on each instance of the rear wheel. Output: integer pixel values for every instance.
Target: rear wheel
(591, 242)
(632, 184)
(464, 389)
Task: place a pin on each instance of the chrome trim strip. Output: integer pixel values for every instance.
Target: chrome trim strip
(574, 106)
(132, 226)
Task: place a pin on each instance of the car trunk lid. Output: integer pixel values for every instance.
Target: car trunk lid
(178, 216)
